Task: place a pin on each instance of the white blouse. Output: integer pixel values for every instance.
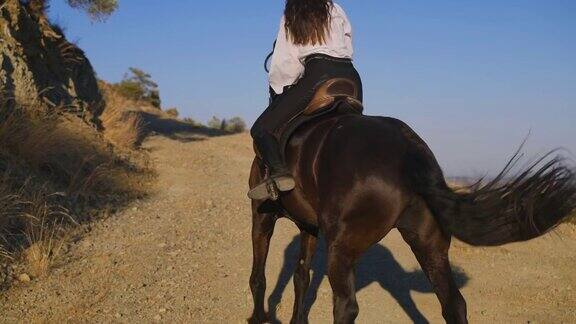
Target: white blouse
(287, 65)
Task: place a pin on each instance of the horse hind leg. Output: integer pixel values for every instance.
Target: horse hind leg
(302, 277)
(262, 230)
(344, 249)
(348, 236)
(430, 245)
(341, 276)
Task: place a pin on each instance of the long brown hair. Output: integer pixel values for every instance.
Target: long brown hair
(307, 21)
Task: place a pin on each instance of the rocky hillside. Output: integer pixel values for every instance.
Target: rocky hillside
(39, 64)
(57, 171)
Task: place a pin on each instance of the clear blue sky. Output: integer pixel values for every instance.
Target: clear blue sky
(472, 77)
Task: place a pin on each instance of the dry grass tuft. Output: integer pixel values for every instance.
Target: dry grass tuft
(40, 256)
(122, 118)
(123, 129)
(43, 220)
(31, 218)
(122, 124)
(56, 172)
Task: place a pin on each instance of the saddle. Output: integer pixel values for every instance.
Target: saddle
(338, 96)
(331, 91)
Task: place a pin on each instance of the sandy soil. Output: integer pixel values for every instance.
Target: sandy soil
(184, 255)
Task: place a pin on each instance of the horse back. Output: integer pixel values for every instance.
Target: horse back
(347, 164)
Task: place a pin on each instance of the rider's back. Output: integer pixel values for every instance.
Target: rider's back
(287, 64)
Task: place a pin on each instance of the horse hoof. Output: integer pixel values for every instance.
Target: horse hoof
(257, 320)
(299, 321)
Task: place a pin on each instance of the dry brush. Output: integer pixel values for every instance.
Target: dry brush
(57, 171)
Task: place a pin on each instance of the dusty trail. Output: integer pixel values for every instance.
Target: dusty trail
(184, 255)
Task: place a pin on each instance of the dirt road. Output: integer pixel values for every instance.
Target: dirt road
(184, 255)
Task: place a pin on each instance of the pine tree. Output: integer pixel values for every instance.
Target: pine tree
(97, 10)
(138, 85)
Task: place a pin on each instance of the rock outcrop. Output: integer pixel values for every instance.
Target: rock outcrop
(38, 64)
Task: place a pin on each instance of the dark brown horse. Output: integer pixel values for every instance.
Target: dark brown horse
(359, 176)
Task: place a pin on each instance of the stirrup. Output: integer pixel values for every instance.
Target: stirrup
(271, 188)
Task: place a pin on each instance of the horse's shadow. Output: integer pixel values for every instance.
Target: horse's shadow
(376, 265)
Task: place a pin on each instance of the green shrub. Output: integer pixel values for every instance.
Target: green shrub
(172, 112)
(130, 89)
(235, 125)
(137, 85)
(215, 123)
(191, 121)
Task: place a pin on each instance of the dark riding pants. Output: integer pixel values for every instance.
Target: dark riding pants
(318, 69)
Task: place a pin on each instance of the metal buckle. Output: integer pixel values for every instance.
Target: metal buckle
(272, 189)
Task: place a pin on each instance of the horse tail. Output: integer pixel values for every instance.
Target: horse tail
(510, 208)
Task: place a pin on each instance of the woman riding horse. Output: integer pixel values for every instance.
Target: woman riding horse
(314, 44)
(354, 178)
